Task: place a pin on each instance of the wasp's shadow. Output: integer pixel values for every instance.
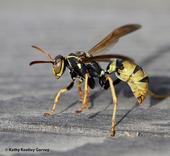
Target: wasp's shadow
(157, 55)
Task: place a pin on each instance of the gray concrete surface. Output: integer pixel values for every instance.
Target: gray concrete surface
(62, 27)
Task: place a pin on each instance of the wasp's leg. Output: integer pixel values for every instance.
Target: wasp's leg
(57, 98)
(115, 105)
(80, 90)
(85, 102)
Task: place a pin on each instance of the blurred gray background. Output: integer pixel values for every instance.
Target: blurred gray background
(65, 26)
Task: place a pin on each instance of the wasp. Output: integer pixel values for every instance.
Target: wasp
(84, 68)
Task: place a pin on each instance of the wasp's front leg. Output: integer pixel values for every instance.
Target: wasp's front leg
(85, 102)
(57, 98)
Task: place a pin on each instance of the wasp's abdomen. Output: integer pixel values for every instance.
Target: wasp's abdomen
(136, 78)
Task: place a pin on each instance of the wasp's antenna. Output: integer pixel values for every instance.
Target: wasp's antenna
(44, 52)
(39, 62)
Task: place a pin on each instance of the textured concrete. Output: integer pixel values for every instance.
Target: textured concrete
(62, 27)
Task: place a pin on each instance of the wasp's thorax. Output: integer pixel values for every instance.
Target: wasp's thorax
(58, 66)
(114, 66)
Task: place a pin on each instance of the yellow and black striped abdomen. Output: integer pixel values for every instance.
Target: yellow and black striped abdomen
(136, 78)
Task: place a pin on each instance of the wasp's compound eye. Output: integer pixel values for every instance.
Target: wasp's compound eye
(57, 66)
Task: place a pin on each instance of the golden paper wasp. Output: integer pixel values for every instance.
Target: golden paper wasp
(84, 67)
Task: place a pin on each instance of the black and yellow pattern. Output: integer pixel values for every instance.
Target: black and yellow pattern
(134, 75)
(84, 67)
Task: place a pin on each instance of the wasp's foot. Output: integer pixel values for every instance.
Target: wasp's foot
(47, 114)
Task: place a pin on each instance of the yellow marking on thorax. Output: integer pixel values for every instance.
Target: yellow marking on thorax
(112, 67)
(73, 57)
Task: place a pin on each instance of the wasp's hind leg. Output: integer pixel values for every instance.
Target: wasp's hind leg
(80, 92)
(85, 102)
(114, 103)
(57, 98)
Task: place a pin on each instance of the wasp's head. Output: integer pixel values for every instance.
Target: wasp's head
(58, 66)
(58, 63)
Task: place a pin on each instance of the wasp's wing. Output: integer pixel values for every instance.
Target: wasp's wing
(113, 37)
(105, 58)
